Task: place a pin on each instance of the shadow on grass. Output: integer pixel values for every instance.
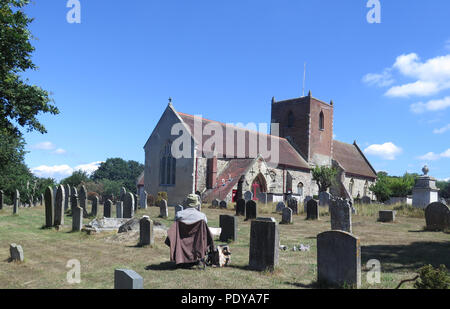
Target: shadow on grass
(162, 266)
(400, 258)
(312, 285)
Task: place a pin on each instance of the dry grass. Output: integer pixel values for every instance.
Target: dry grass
(402, 248)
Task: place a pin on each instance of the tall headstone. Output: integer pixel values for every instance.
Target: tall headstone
(16, 202)
(95, 202)
(143, 200)
(223, 205)
(1, 199)
(83, 200)
(119, 209)
(286, 216)
(49, 207)
(240, 207)
(125, 279)
(251, 211)
(228, 224)
(128, 205)
(341, 215)
(264, 245)
(42, 199)
(77, 219)
(59, 206)
(293, 204)
(338, 259)
(123, 192)
(239, 193)
(425, 191)
(312, 210)
(74, 192)
(67, 195)
(248, 196)
(163, 209)
(107, 209)
(136, 201)
(437, 217)
(146, 235)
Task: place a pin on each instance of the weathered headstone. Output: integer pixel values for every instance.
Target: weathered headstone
(312, 210)
(123, 192)
(49, 207)
(95, 202)
(223, 205)
(338, 259)
(324, 199)
(128, 205)
(264, 245)
(125, 279)
(262, 198)
(366, 200)
(119, 209)
(286, 216)
(143, 200)
(437, 217)
(16, 253)
(239, 192)
(42, 199)
(228, 224)
(163, 209)
(386, 215)
(146, 235)
(251, 211)
(67, 195)
(293, 204)
(59, 206)
(77, 219)
(240, 207)
(248, 196)
(74, 192)
(341, 215)
(136, 201)
(82, 195)
(280, 207)
(215, 203)
(107, 207)
(16, 202)
(1, 199)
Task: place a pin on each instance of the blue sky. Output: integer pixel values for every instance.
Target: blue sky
(111, 76)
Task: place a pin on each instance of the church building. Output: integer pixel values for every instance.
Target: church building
(214, 170)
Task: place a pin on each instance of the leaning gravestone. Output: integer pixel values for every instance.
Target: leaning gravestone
(49, 207)
(223, 205)
(338, 259)
(324, 199)
(386, 215)
(264, 245)
(77, 219)
(215, 203)
(95, 202)
(341, 215)
(128, 205)
(312, 210)
(293, 204)
(83, 200)
(59, 206)
(119, 209)
(107, 209)
(67, 196)
(240, 207)
(125, 279)
(163, 209)
(1, 199)
(286, 216)
(248, 196)
(146, 235)
(437, 216)
(228, 224)
(251, 211)
(16, 253)
(280, 207)
(16, 202)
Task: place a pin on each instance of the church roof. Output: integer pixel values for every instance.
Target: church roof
(351, 158)
(288, 156)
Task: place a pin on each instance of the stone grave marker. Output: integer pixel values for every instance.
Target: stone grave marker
(146, 235)
(49, 207)
(107, 207)
(251, 211)
(286, 216)
(125, 279)
(248, 196)
(280, 207)
(67, 195)
(163, 209)
(95, 202)
(59, 206)
(128, 205)
(240, 207)
(16, 253)
(77, 219)
(264, 245)
(437, 217)
(229, 225)
(324, 199)
(312, 210)
(16, 203)
(215, 203)
(83, 201)
(119, 210)
(223, 205)
(386, 216)
(293, 204)
(341, 215)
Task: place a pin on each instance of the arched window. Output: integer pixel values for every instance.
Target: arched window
(300, 189)
(350, 187)
(291, 119)
(321, 121)
(168, 166)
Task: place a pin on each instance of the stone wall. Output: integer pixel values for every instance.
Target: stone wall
(358, 186)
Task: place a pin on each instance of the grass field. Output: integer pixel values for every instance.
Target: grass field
(402, 248)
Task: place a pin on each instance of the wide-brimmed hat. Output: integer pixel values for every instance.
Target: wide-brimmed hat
(192, 200)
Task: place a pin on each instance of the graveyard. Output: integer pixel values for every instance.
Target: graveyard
(402, 247)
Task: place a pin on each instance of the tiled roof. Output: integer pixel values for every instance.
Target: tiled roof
(288, 156)
(352, 160)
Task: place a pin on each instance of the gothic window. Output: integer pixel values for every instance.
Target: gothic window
(168, 166)
(291, 119)
(300, 189)
(321, 121)
(350, 187)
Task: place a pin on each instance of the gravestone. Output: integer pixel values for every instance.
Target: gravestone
(95, 202)
(264, 245)
(215, 203)
(240, 207)
(49, 207)
(262, 197)
(248, 196)
(119, 209)
(341, 215)
(143, 200)
(16, 253)
(74, 192)
(338, 259)
(386, 216)
(293, 204)
(125, 279)
(305, 201)
(146, 235)
(16, 203)
(59, 206)
(228, 224)
(223, 205)
(77, 219)
(1, 199)
(239, 193)
(128, 205)
(437, 217)
(286, 216)
(324, 199)
(280, 207)
(251, 211)
(425, 191)
(107, 209)
(67, 195)
(163, 209)
(366, 200)
(178, 208)
(83, 200)
(42, 199)
(122, 194)
(312, 210)
(136, 201)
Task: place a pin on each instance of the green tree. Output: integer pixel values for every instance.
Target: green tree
(444, 186)
(324, 176)
(76, 179)
(119, 170)
(381, 188)
(20, 102)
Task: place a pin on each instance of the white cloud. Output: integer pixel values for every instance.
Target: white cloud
(431, 156)
(419, 88)
(44, 146)
(89, 168)
(381, 80)
(386, 151)
(442, 130)
(431, 106)
(59, 151)
(62, 171)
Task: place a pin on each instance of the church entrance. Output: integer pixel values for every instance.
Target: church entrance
(259, 185)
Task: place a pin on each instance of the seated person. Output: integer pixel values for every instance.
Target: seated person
(189, 237)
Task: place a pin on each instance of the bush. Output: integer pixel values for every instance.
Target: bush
(151, 200)
(92, 195)
(161, 196)
(431, 278)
